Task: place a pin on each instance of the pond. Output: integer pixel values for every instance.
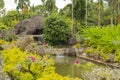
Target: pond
(65, 65)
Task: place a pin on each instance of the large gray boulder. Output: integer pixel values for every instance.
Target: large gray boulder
(72, 40)
(34, 25)
(72, 51)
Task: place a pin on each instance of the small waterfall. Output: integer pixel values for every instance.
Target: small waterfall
(58, 54)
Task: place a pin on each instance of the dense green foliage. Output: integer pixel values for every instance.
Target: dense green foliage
(105, 40)
(20, 3)
(57, 29)
(97, 72)
(8, 35)
(11, 18)
(3, 27)
(2, 4)
(25, 66)
(79, 9)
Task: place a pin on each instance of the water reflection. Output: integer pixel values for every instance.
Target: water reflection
(65, 65)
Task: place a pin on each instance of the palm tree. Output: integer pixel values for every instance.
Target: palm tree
(118, 11)
(78, 12)
(78, 7)
(113, 5)
(1, 4)
(20, 3)
(66, 10)
(1, 7)
(100, 7)
(49, 6)
(86, 13)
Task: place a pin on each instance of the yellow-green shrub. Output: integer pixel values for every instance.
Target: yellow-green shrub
(19, 64)
(55, 76)
(107, 39)
(77, 45)
(2, 42)
(2, 26)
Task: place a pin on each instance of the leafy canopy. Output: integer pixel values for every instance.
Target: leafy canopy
(57, 29)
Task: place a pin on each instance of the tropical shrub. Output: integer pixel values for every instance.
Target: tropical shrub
(1, 43)
(77, 46)
(11, 18)
(57, 29)
(27, 43)
(2, 26)
(117, 57)
(91, 71)
(101, 73)
(8, 35)
(106, 39)
(24, 42)
(24, 65)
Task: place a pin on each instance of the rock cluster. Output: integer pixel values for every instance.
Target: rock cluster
(31, 26)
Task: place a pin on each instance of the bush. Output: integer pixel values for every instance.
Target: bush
(22, 65)
(101, 74)
(24, 42)
(106, 40)
(11, 18)
(57, 29)
(1, 43)
(2, 26)
(8, 35)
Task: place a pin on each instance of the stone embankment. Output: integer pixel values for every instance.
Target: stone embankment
(64, 51)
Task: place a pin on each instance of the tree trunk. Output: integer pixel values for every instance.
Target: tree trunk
(111, 12)
(86, 13)
(118, 12)
(118, 18)
(72, 18)
(99, 13)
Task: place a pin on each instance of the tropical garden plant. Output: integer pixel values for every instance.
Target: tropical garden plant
(57, 29)
(105, 39)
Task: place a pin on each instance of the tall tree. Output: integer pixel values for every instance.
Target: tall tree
(66, 10)
(37, 9)
(1, 4)
(99, 12)
(86, 17)
(92, 7)
(20, 3)
(113, 6)
(49, 6)
(76, 11)
(100, 8)
(79, 9)
(118, 11)
(1, 7)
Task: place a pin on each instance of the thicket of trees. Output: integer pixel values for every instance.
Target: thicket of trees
(99, 12)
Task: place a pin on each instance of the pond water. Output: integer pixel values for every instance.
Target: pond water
(65, 65)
